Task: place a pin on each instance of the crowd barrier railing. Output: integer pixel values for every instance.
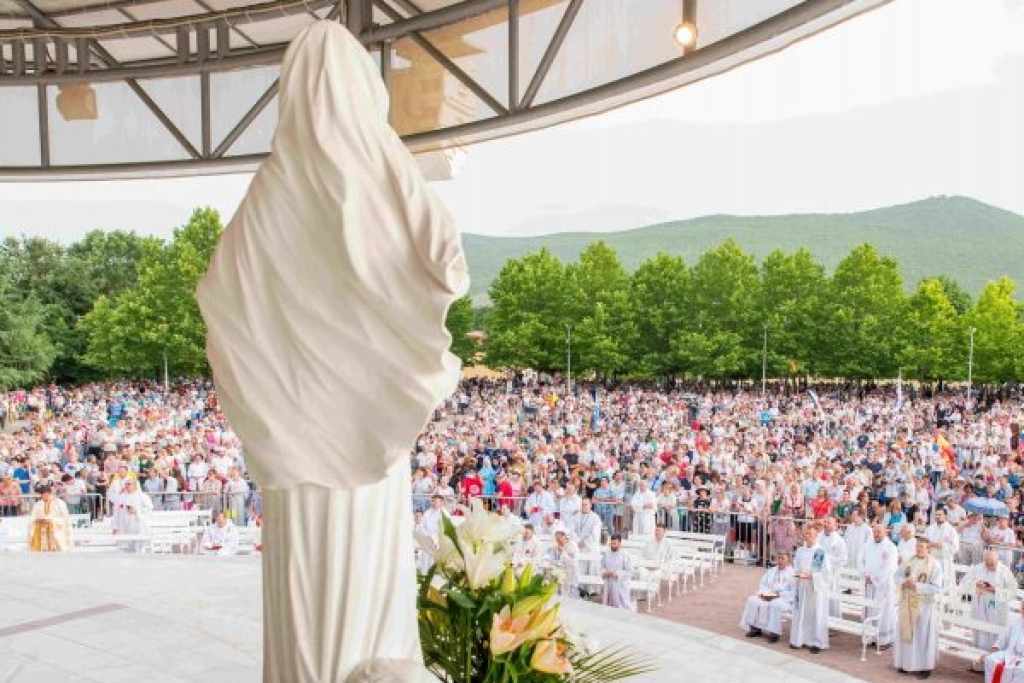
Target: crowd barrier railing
(83, 507)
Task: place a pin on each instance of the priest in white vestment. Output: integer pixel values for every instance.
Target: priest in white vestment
(130, 507)
(1004, 538)
(325, 304)
(763, 612)
(49, 525)
(813, 570)
(991, 586)
(570, 508)
(220, 538)
(1006, 663)
(857, 535)
(906, 549)
(833, 542)
(539, 504)
(562, 556)
(617, 571)
(526, 550)
(878, 564)
(944, 542)
(588, 529)
(644, 505)
(917, 639)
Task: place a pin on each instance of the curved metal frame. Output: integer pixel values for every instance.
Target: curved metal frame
(518, 114)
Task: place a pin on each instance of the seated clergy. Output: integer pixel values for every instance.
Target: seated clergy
(774, 597)
(220, 538)
(1006, 663)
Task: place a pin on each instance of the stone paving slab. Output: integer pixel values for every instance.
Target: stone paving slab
(186, 618)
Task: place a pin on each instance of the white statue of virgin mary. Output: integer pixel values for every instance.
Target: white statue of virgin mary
(325, 305)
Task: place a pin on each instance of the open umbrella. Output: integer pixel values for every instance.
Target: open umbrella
(989, 507)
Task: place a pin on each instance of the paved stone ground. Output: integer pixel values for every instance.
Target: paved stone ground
(718, 605)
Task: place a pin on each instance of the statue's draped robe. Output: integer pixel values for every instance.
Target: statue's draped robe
(325, 305)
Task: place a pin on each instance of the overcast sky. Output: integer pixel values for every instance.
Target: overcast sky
(918, 98)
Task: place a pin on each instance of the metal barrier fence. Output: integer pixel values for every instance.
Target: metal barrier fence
(240, 507)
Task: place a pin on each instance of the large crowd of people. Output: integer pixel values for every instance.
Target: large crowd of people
(766, 470)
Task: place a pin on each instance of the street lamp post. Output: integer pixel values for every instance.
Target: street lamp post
(764, 364)
(970, 366)
(568, 359)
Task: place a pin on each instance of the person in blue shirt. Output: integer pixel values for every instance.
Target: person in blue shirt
(23, 475)
(487, 473)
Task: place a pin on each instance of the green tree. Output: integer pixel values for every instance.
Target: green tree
(792, 289)
(957, 295)
(721, 336)
(459, 322)
(933, 331)
(600, 311)
(659, 291)
(531, 299)
(158, 320)
(998, 334)
(25, 351)
(863, 316)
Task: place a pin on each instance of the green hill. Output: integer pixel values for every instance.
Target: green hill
(965, 239)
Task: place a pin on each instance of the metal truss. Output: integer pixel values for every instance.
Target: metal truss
(49, 54)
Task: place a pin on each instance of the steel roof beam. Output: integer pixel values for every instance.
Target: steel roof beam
(551, 53)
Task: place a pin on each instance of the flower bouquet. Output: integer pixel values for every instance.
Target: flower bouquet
(481, 623)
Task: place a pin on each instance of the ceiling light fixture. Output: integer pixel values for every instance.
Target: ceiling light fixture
(77, 102)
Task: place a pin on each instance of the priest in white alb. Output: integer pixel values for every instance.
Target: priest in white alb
(130, 509)
(644, 505)
(857, 535)
(1006, 662)
(325, 307)
(834, 543)
(617, 571)
(991, 586)
(49, 527)
(944, 542)
(878, 564)
(763, 612)
(220, 538)
(813, 569)
(917, 639)
(588, 528)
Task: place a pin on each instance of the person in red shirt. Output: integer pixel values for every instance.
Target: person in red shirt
(821, 506)
(472, 486)
(506, 494)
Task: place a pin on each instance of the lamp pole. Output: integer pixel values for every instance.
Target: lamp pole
(568, 359)
(764, 363)
(970, 365)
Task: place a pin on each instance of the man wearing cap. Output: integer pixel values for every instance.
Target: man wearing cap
(617, 570)
(763, 612)
(878, 564)
(991, 586)
(917, 641)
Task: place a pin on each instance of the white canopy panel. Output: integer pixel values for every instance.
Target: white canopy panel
(128, 88)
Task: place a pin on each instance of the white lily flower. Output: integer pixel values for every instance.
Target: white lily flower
(481, 527)
(483, 565)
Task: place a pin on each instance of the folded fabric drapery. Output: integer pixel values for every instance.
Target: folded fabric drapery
(325, 304)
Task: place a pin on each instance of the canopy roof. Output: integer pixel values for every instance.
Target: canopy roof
(188, 86)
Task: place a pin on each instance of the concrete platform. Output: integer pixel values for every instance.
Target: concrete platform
(179, 619)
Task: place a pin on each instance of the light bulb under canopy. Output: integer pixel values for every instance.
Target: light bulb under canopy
(77, 102)
(686, 35)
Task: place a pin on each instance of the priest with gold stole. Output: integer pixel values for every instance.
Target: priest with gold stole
(49, 529)
(917, 641)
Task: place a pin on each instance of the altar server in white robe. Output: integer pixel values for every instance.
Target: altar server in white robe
(588, 528)
(644, 505)
(878, 563)
(424, 559)
(835, 545)
(658, 554)
(562, 555)
(774, 598)
(813, 570)
(617, 570)
(1006, 663)
(539, 504)
(917, 639)
(991, 586)
(131, 506)
(857, 535)
(220, 538)
(944, 542)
